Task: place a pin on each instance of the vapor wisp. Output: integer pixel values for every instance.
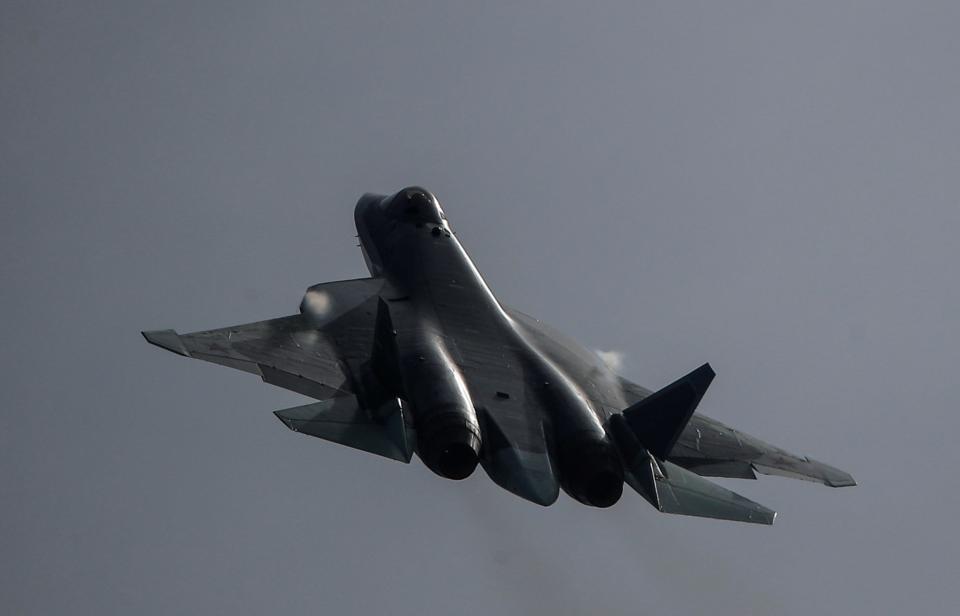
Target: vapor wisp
(613, 359)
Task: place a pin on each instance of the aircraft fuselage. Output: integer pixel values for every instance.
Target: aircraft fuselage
(434, 288)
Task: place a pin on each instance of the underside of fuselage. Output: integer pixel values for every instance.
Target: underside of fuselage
(448, 329)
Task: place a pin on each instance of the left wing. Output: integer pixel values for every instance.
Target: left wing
(321, 353)
(308, 353)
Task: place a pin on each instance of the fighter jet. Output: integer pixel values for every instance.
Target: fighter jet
(422, 358)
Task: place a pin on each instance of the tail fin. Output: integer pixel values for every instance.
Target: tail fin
(658, 419)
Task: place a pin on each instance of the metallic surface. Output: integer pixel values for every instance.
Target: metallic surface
(422, 357)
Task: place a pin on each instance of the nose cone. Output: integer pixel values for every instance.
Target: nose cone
(415, 204)
(417, 196)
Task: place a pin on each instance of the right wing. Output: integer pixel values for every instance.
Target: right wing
(713, 449)
(307, 353)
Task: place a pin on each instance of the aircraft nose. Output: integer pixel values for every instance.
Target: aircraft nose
(417, 196)
(416, 204)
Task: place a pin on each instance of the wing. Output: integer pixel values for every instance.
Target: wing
(308, 353)
(712, 449)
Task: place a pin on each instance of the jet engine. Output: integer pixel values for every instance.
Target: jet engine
(448, 434)
(591, 469)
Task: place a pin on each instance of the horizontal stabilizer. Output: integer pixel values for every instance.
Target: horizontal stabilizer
(659, 419)
(685, 493)
(384, 432)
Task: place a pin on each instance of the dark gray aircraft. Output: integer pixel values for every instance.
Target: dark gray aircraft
(423, 358)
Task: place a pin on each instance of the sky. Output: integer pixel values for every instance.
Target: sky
(770, 187)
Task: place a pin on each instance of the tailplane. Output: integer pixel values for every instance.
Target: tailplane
(384, 431)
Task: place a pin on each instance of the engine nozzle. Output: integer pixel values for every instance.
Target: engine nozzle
(594, 474)
(449, 444)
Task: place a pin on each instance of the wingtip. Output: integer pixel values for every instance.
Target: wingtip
(288, 420)
(166, 339)
(833, 476)
(845, 482)
(761, 515)
(808, 469)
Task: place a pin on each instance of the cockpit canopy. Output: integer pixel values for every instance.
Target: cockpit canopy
(414, 204)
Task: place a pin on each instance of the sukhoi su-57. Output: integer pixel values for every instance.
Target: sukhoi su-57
(422, 358)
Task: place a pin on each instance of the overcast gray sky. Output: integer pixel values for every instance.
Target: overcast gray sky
(771, 187)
